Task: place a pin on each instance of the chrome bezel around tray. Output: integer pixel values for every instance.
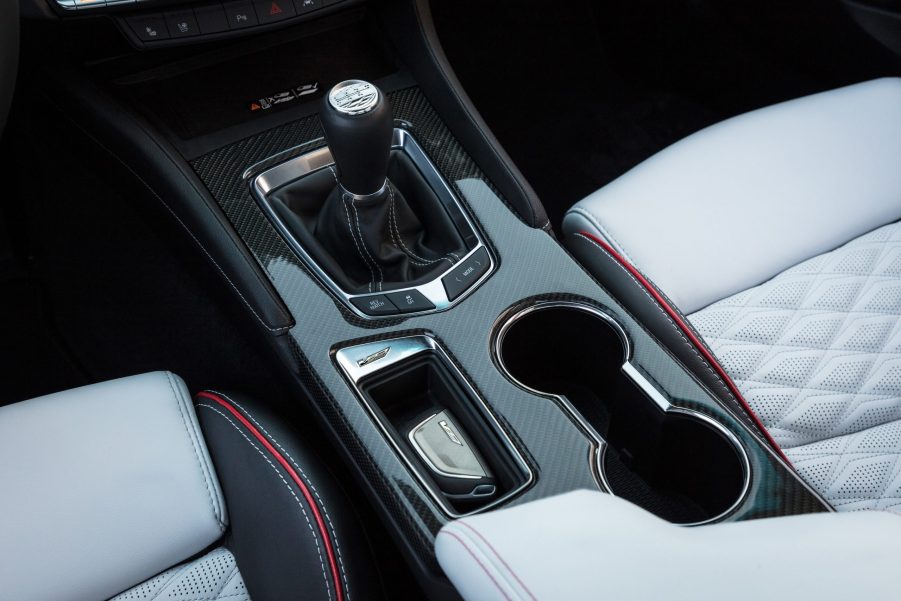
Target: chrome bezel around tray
(357, 363)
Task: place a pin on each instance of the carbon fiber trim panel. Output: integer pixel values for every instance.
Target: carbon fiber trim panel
(532, 265)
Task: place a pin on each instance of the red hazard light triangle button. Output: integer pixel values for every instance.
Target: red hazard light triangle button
(270, 11)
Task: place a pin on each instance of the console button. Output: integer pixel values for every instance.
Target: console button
(149, 27)
(410, 301)
(240, 15)
(377, 304)
(182, 23)
(270, 11)
(305, 6)
(211, 18)
(466, 273)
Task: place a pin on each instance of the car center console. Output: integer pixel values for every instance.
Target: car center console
(571, 392)
(503, 375)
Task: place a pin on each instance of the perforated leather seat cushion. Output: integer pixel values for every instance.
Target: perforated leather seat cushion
(816, 352)
(213, 577)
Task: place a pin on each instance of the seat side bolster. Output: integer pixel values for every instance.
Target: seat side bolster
(292, 528)
(103, 487)
(590, 545)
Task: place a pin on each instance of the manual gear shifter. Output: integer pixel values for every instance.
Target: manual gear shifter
(371, 220)
(358, 128)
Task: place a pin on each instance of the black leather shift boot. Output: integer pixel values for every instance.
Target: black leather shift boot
(401, 238)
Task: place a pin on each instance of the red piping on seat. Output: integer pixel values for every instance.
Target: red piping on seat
(297, 480)
(700, 346)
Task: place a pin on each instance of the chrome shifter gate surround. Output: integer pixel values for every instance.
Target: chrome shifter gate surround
(298, 167)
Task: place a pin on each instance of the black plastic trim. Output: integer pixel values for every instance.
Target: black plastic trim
(413, 32)
(159, 167)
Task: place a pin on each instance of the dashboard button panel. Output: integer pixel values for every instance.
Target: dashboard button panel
(199, 22)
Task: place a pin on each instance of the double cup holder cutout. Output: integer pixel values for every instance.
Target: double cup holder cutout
(675, 462)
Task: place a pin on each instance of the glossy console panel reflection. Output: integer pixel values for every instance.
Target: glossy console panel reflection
(441, 290)
(436, 422)
(678, 463)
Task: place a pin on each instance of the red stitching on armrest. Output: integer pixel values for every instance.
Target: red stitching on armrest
(498, 555)
(481, 565)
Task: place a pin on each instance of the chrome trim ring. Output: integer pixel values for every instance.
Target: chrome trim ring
(363, 197)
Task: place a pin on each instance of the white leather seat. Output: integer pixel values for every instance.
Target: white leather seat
(104, 488)
(775, 233)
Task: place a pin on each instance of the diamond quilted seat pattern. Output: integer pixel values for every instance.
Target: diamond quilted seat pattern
(816, 352)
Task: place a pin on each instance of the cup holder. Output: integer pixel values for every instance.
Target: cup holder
(677, 463)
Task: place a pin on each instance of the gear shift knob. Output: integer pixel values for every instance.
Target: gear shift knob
(358, 128)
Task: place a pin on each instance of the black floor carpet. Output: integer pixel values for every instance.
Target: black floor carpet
(578, 92)
(34, 359)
